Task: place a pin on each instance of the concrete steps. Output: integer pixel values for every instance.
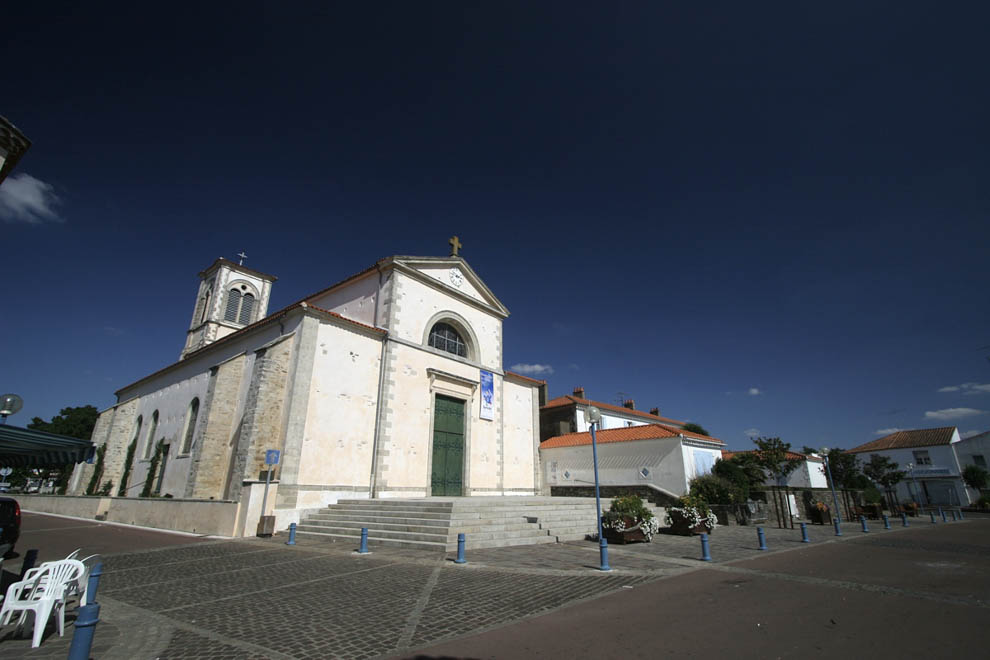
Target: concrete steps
(434, 523)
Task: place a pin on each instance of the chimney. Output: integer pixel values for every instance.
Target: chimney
(655, 412)
(629, 403)
(579, 392)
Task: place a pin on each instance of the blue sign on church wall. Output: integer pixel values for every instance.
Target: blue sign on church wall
(487, 395)
(271, 457)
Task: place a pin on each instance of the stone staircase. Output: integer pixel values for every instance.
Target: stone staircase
(434, 523)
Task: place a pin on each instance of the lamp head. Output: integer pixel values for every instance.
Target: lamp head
(593, 415)
(10, 403)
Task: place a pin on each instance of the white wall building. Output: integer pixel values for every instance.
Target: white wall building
(930, 459)
(387, 384)
(656, 456)
(810, 472)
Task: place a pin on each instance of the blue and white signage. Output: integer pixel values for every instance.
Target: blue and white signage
(271, 457)
(487, 395)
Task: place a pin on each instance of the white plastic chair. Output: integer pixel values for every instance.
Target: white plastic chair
(29, 595)
(81, 586)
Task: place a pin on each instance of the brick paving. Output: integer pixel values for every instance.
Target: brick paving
(263, 599)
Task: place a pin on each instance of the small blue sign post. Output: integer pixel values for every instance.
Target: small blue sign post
(271, 458)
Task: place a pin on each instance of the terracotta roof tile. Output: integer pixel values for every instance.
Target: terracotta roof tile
(625, 434)
(520, 376)
(570, 399)
(791, 455)
(907, 439)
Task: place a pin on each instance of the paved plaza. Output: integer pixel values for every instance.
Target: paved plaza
(263, 599)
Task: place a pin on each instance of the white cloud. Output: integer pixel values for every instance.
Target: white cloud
(967, 388)
(887, 431)
(754, 391)
(947, 414)
(753, 433)
(112, 331)
(26, 199)
(968, 434)
(532, 369)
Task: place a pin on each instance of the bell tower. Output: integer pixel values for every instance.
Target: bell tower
(231, 296)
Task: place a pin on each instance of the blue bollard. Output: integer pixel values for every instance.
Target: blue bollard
(460, 550)
(904, 521)
(942, 513)
(838, 530)
(954, 517)
(862, 521)
(363, 550)
(603, 555)
(87, 617)
(804, 533)
(960, 514)
(292, 534)
(886, 521)
(705, 554)
(94, 582)
(762, 537)
(932, 514)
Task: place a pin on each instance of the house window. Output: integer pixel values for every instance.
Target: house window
(921, 457)
(151, 435)
(446, 338)
(978, 459)
(190, 426)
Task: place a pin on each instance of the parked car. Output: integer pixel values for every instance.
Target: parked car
(10, 522)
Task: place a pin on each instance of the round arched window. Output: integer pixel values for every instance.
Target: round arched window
(446, 338)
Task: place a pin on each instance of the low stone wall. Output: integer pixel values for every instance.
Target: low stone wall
(208, 517)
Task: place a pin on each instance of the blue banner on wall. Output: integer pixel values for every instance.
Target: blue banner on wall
(487, 395)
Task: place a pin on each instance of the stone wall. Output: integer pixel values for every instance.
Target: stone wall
(261, 427)
(212, 446)
(120, 436)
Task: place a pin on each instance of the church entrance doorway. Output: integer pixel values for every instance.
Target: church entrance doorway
(447, 476)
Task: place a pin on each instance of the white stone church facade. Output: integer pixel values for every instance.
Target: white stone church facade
(387, 384)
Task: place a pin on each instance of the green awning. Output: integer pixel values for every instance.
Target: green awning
(21, 447)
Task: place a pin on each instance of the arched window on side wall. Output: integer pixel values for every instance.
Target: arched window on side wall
(137, 432)
(191, 418)
(152, 429)
(444, 337)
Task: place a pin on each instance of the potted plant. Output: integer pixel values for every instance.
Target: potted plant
(819, 513)
(628, 519)
(692, 516)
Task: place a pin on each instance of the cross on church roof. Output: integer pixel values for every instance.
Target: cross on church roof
(242, 256)
(455, 245)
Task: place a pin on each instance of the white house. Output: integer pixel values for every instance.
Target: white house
(810, 472)
(657, 456)
(387, 384)
(929, 457)
(973, 450)
(567, 414)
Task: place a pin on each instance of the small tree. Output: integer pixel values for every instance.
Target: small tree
(845, 472)
(975, 477)
(772, 456)
(742, 472)
(128, 464)
(714, 489)
(883, 471)
(149, 481)
(694, 428)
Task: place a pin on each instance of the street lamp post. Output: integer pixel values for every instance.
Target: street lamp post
(594, 418)
(831, 483)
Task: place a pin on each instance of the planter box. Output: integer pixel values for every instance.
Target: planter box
(820, 517)
(627, 536)
(680, 526)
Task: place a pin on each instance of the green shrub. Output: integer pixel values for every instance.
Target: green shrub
(983, 502)
(630, 505)
(714, 489)
(872, 496)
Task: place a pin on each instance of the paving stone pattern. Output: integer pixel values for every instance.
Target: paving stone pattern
(263, 599)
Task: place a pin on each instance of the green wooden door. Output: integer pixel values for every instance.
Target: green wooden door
(448, 447)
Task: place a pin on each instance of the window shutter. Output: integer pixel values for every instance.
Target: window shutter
(247, 308)
(233, 304)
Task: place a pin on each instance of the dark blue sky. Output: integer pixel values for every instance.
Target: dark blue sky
(685, 204)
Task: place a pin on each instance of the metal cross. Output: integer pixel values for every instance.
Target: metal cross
(455, 245)
(242, 256)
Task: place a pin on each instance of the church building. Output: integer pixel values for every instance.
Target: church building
(387, 384)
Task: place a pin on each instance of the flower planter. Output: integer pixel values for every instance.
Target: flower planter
(630, 530)
(820, 517)
(683, 527)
